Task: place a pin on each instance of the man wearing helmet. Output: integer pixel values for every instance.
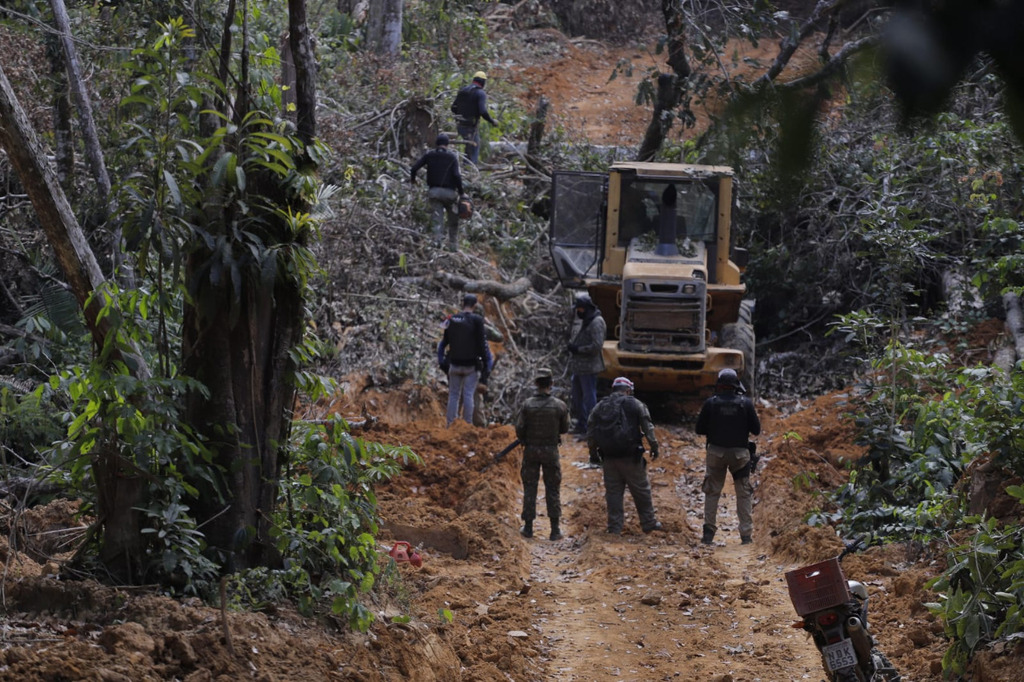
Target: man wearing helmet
(586, 359)
(469, 107)
(622, 454)
(727, 418)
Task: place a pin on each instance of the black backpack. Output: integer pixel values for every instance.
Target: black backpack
(462, 107)
(612, 429)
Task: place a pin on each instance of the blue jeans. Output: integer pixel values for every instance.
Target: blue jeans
(470, 134)
(461, 384)
(584, 397)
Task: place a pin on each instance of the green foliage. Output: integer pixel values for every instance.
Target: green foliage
(981, 592)
(325, 532)
(136, 425)
(27, 421)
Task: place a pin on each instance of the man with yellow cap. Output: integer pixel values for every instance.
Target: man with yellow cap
(469, 107)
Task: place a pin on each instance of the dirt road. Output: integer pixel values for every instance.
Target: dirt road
(659, 606)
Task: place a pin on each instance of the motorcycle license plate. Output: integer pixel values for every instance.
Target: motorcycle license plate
(839, 655)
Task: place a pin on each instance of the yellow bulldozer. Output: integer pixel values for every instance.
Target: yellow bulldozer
(650, 244)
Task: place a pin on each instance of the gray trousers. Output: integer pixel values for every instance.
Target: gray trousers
(627, 472)
(720, 461)
(461, 386)
(444, 207)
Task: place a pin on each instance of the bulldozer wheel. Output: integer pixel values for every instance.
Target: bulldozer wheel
(739, 336)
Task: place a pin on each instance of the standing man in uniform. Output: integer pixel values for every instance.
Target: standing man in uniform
(615, 439)
(444, 182)
(728, 419)
(586, 359)
(469, 107)
(464, 355)
(541, 422)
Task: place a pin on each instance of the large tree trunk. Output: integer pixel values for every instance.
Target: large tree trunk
(384, 27)
(238, 344)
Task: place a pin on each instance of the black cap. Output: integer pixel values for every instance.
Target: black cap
(468, 301)
(442, 140)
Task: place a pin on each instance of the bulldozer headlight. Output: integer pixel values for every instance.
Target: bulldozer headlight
(689, 288)
(638, 286)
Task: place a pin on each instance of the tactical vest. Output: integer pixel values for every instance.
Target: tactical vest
(542, 416)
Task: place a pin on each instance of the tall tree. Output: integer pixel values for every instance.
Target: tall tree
(384, 27)
(245, 235)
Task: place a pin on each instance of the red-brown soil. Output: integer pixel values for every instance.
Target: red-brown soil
(590, 607)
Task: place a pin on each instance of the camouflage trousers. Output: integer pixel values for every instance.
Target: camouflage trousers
(621, 473)
(720, 461)
(538, 460)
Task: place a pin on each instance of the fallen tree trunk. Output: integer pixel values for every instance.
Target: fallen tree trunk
(498, 290)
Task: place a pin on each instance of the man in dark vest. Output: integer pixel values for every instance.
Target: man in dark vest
(727, 419)
(463, 353)
(469, 107)
(541, 422)
(623, 460)
(444, 182)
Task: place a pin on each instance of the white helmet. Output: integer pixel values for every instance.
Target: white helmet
(622, 382)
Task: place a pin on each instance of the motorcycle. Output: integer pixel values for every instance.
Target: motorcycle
(835, 612)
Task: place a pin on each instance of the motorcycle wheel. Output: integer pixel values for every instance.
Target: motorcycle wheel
(884, 670)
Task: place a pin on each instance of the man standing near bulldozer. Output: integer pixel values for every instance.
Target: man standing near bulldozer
(539, 427)
(586, 359)
(728, 418)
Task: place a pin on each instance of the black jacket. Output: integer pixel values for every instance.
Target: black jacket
(727, 418)
(476, 109)
(442, 169)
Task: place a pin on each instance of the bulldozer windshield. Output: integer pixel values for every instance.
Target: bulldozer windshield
(647, 206)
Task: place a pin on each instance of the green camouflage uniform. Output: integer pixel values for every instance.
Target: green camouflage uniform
(540, 424)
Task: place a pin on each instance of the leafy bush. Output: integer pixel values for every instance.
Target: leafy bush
(982, 590)
(325, 530)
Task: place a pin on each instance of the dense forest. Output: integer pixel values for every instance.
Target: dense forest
(209, 242)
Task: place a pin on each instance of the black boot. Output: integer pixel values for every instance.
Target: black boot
(556, 534)
(527, 530)
(709, 535)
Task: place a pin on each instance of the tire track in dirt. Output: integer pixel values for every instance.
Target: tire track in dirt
(659, 606)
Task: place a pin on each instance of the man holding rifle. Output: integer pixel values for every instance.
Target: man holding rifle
(541, 422)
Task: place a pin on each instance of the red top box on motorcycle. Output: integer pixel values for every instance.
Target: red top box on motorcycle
(818, 586)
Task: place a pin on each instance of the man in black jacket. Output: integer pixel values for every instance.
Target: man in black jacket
(445, 185)
(463, 353)
(469, 107)
(727, 419)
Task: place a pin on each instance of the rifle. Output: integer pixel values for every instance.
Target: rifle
(498, 457)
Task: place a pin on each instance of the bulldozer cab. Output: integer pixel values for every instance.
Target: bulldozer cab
(577, 226)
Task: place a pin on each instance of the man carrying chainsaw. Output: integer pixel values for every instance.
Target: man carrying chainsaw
(728, 418)
(615, 431)
(539, 427)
